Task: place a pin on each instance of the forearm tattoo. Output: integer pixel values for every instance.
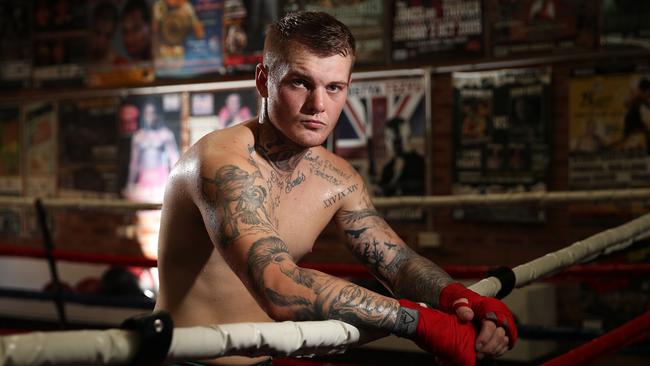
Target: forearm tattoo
(398, 267)
(317, 296)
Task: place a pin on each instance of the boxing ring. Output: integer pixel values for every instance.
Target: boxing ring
(153, 339)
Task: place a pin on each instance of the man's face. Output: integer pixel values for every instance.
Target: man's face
(306, 94)
(135, 35)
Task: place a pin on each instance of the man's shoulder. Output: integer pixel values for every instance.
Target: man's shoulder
(331, 167)
(219, 148)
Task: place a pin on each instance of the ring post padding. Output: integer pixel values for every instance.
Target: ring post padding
(155, 333)
(507, 277)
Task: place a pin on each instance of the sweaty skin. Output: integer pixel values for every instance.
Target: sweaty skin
(244, 204)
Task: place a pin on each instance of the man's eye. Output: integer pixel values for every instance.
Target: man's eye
(333, 88)
(299, 83)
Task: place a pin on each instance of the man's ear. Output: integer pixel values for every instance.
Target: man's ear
(261, 80)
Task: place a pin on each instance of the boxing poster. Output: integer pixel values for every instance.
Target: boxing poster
(541, 26)
(382, 133)
(365, 18)
(10, 178)
(150, 133)
(119, 36)
(210, 111)
(187, 37)
(244, 27)
(15, 44)
(609, 130)
(88, 141)
(436, 28)
(626, 24)
(59, 41)
(40, 144)
(501, 134)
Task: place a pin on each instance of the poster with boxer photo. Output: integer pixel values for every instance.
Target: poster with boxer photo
(187, 37)
(59, 41)
(40, 143)
(15, 44)
(501, 129)
(436, 28)
(119, 42)
(541, 26)
(88, 143)
(609, 130)
(150, 143)
(10, 172)
(382, 133)
(244, 26)
(215, 110)
(366, 20)
(626, 24)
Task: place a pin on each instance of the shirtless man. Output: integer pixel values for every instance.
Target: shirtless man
(244, 204)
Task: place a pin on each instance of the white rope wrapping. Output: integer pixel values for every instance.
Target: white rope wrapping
(539, 198)
(582, 251)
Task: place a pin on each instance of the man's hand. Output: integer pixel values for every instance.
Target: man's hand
(443, 335)
(498, 329)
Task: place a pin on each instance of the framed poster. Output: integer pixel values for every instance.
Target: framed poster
(382, 133)
(609, 130)
(366, 20)
(244, 25)
(215, 110)
(436, 28)
(626, 24)
(542, 26)
(119, 41)
(187, 37)
(10, 155)
(59, 41)
(88, 142)
(39, 136)
(149, 131)
(15, 44)
(502, 138)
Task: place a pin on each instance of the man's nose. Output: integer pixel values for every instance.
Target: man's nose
(315, 103)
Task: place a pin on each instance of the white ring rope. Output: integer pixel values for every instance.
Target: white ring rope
(541, 198)
(114, 347)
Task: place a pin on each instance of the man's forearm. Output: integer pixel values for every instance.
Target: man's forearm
(294, 293)
(419, 279)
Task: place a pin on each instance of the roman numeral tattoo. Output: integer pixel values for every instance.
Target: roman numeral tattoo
(340, 195)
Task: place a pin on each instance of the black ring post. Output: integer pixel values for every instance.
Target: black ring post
(48, 246)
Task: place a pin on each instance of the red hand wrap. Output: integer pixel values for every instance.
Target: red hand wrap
(443, 335)
(485, 308)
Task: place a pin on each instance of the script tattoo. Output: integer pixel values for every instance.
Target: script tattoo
(339, 195)
(325, 297)
(240, 202)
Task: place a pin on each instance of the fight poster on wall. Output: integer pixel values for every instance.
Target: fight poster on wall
(435, 28)
(609, 131)
(10, 172)
(210, 111)
(382, 133)
(366, 20)
(40, 143)
(119, 38)
(625, 24)
(15, 44)
(88, 143)
(527, 26)
(59, 41)
(244, 26)
(150, 133)
(187, 37)
(501, 124)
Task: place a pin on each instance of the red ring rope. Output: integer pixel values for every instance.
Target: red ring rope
(633, 331)
(336, 269)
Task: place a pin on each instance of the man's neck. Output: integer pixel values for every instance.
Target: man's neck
(282, 153)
